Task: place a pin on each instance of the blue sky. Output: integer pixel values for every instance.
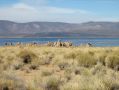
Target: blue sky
(73, 11)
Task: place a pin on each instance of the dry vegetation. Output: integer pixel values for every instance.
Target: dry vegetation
(53, 68)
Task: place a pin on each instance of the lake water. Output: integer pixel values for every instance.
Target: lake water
(102, 42)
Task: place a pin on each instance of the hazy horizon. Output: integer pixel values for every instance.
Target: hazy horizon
(62, 21)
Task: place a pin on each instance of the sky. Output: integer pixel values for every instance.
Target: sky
(72, 11)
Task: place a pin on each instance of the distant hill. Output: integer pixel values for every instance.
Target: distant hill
(58, 29)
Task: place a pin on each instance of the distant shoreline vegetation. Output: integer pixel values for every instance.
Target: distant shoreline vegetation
(97, 42)
(62, 37)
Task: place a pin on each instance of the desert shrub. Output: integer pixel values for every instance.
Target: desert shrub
(115, 52)
(70, 86)
(52, 83)
(46, 52)
(1, 59)
(86, 59)
(46, 73)
(26, 68)
(99, 69)
(63, 65)
(45, 60)
(68, 77)
(114, 87)
(91, 53)
(70, 55)
(73, 70)
(9, 82)
(77, 71)
(83, 83)
(106, 81)
(10, 58)
(27, 56)
(5, 66)
(110, 82)
(68, 72)
(112, 61)
(17, 66)
(101, 57)
(33, 67)
(79, 68)
(83, 71)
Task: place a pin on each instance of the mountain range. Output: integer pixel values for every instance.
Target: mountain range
(10, 29)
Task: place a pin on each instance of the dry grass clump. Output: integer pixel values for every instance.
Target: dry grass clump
(86, 59)
(17, 66)
(63, 64)
(70, 55)
(46, 72)
(11, 82)
(27, 56)
(34, 67)
(45, 59)
(102, 79)
(51, 83)
(56, 68)
(112, 61)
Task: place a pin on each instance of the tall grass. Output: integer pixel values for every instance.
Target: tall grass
(55, 68)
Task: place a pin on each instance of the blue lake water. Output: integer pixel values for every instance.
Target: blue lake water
(102, 42)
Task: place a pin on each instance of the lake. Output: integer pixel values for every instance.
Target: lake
(102, 42)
